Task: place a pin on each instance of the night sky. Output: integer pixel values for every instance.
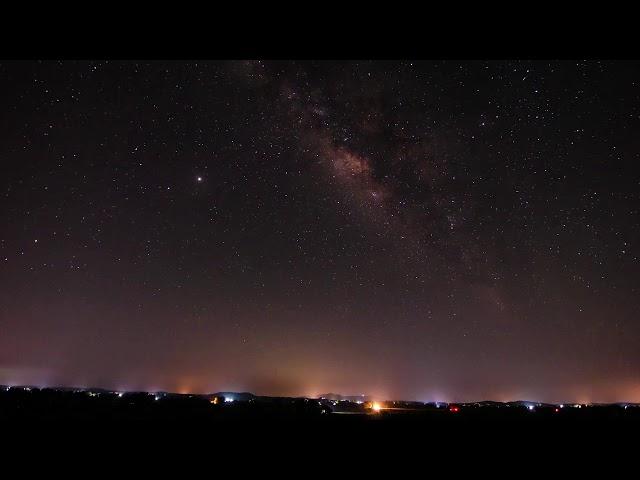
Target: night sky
(428, 230)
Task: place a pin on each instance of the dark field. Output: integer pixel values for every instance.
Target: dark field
(30, 403)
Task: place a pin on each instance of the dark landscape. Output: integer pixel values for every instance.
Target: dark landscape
(21, 403)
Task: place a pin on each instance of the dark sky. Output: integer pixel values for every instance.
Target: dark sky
(422, 230)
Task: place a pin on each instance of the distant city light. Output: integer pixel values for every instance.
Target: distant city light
(530, 407)
(228, 399)
(376, 407)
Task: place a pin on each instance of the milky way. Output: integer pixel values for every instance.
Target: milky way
(423, 230)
